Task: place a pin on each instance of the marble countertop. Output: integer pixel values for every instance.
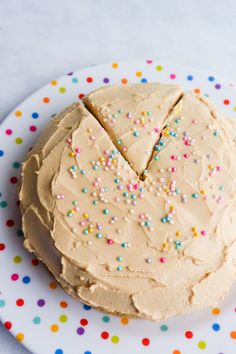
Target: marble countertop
(42, 40)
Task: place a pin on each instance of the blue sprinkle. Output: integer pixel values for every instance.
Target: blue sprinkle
(211, 78)
(190, 77)
(1, 152)
(26, 280)
(216, 327)
(87, 307)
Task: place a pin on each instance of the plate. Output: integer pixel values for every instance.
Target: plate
(32, 305)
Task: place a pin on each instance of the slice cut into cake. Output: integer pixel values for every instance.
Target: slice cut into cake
(134, 116)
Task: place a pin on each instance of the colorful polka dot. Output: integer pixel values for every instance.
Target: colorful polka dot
(216, 327)
(54, 82)
(46, 100)
(35, 115)
(1, 153)
(20, 337)
(2, 246)
(54, 328)
(172, 76)
(41, 302)
(26, 279)
(62, 89)
(20, 302)
(64, 304)
(233, 334)
(104, 335)
(36, 320)
(3, 204)
(189, 77)
(106, 319)
(164, 328)
(87, 307)
(80, 331)
(53, 285)
(189, 334)
(16, 164)
(202, 345)
(124, 320)
(74, 80)
(89, 79)
(159, 68)
(17, 259)
(2, 303)
(8, 325)
(145, 341)
(63, 318)
(215, 311)
(115, 65)
(115, 339)
(18, 141)
(8, 132)
(18, 114)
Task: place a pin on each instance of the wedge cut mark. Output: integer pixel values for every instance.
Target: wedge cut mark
(134, 116)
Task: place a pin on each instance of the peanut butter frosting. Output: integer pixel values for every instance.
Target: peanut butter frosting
(149, 245)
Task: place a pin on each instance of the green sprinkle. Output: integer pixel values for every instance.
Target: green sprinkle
(119, 259)
(161, 142)
(116, 180)
(124, 244)
(119, 268)
(133, 196)
(75, 202)
(95, 202)
(119, 142)
(157, 148)
(85, 232)
(85, 190)
(120, 111)
(149, 113)
(136, 134)
(222, 188)
(95, 167)
(156, 157)
(195, 195)
(99, 235)
(177, 120)
(125, 194)
(106, 211)
(83, 172)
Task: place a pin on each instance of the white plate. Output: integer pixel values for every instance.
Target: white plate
(32, 306)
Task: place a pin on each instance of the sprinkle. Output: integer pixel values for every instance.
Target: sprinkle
(106, 211)
(195, 195)
(129, 115)
(99, 235)
(136, 134)
(119, 268)
(148, 260)
(119, 259)
(163, 259)
(124, 244)
(203, 232)
(78, 150)
(110, 241)
(156, 157)
(83, 172)
(85, 190)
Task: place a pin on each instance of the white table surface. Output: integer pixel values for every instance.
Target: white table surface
(42, 40)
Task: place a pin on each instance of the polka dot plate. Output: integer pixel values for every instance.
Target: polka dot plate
(32, 305)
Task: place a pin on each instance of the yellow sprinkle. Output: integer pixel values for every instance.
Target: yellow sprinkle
(144, 113)
(210, 167)
(114, 161)
(203, 192)
(194, 229)
(166, 133)
(90, 230)
(195, 234)
(101, 159)
(85, 215)
(172, 207)
(178, 233)
(90, 130)
(72, 154)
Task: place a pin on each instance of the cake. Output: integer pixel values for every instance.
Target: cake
(130, 201)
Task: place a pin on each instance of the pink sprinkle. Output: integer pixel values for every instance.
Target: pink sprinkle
(218, 168)
(129, 115)
(173, 157)
(186, 156)
(141, 216)
(76, 208)
(82, 223)
(203, 232)
(163, 259)
(173, 169)
(136, 186)
(110, 241)
(195, 121)
(125, 148)
(157, 130)
(78, 150)
(141, 196)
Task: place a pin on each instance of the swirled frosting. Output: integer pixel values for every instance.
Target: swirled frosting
(149, 247)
